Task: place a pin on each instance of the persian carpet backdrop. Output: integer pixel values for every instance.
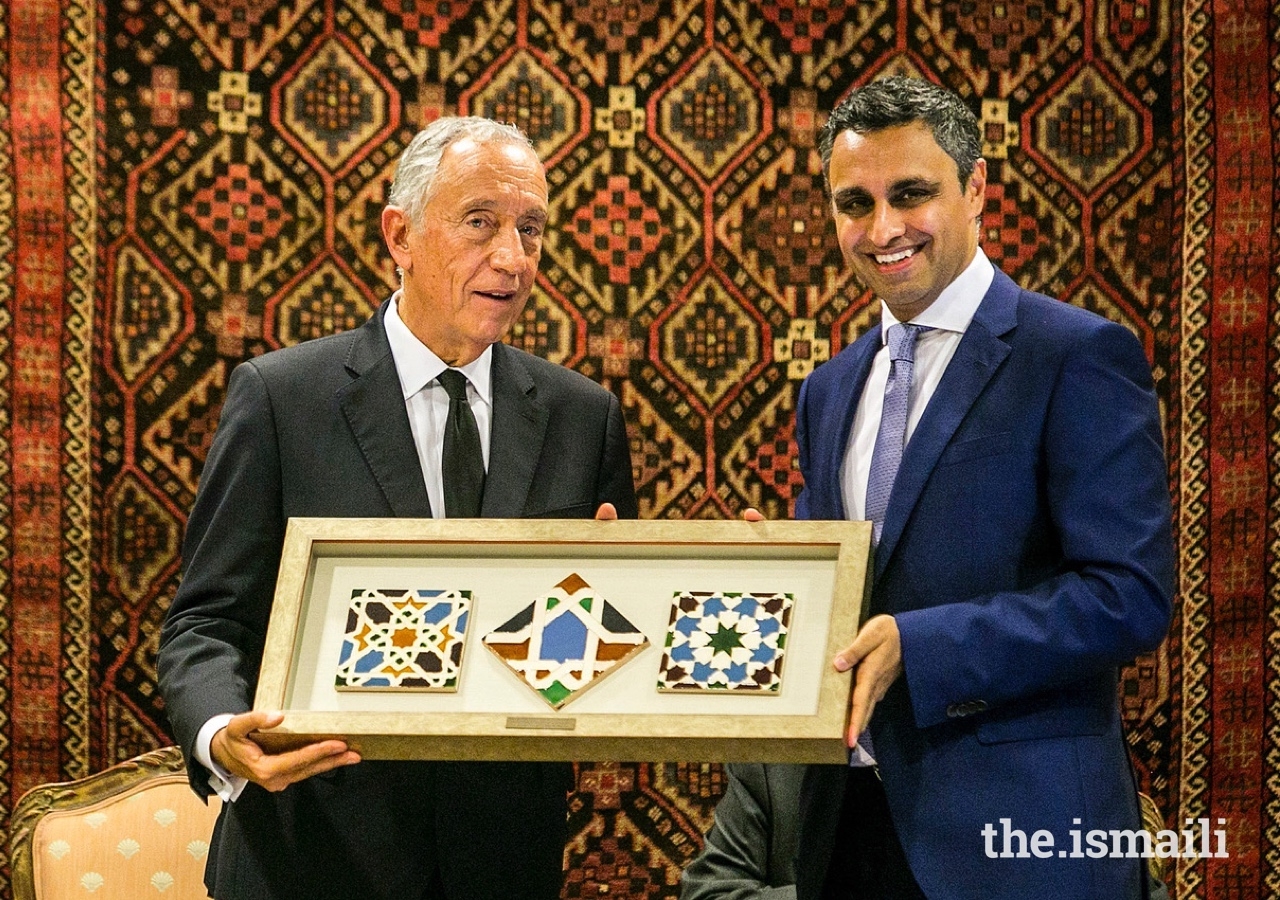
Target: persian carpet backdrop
(186, 183)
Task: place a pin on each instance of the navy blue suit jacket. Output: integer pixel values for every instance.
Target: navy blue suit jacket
(1026, 554)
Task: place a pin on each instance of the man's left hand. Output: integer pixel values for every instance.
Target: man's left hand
(876, 651)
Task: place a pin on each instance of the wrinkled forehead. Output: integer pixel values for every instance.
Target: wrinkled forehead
(494, 165)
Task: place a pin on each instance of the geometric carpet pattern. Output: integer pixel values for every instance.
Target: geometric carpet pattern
(188, 183)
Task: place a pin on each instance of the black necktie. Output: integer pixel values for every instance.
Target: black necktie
(463, 468)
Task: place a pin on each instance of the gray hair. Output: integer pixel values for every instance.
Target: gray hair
(899, 100)
(416, 173)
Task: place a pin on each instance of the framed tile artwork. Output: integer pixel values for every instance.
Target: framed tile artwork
(526, 639)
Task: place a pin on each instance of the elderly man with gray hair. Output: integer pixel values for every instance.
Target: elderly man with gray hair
(420, 412)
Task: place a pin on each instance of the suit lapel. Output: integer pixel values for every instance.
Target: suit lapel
(515, 439)
(373, 405)
(976, 360)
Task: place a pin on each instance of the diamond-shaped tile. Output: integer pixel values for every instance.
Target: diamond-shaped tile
(565, 641)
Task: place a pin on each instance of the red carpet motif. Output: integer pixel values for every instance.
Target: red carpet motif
(189, 183)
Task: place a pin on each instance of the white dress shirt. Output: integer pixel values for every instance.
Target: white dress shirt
(948, 316)
(427, 404)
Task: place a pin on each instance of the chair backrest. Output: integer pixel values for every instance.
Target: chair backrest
(1153, 822)
(133, 830)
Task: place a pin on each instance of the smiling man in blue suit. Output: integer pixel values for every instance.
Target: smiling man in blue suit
(1007, 448)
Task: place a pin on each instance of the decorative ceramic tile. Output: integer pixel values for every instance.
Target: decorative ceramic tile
(566, 641)
(403, 640)
(724, 641)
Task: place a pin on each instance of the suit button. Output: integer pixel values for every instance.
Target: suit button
(953, 711)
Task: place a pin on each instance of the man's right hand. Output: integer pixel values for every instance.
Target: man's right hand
(238, 753)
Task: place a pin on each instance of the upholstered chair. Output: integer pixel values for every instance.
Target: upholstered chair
(132, 831)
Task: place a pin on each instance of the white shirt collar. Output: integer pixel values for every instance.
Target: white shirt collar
(956, 305)
(417, 365)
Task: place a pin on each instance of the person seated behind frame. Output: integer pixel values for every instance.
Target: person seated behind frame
(751, 847)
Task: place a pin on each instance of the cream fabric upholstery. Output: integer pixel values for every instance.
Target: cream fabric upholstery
(133, 831)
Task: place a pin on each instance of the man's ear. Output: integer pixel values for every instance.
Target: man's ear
(395, 232)
(978, 185)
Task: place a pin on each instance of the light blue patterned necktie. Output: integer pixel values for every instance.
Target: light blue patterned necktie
(891, 438)
(887, 456)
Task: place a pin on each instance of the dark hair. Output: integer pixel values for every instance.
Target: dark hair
(898, 100)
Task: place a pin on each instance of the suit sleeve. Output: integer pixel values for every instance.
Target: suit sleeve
(212, 637)
(803, 510)
(615, 482)
(735, 863)
(1101, 479)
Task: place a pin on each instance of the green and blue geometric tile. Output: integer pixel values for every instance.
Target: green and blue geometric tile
(725, 641)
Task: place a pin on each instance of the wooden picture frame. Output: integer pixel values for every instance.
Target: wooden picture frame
(638, 567)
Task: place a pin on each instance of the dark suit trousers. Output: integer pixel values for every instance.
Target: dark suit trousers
(400, 831)
(867, 862)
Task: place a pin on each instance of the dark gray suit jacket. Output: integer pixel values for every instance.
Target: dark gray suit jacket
(320, 429)
(751, 848)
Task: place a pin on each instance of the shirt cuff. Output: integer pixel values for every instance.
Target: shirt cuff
(861, 755)
(224, 784)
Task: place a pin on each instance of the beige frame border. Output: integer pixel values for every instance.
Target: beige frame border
(564, 735)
